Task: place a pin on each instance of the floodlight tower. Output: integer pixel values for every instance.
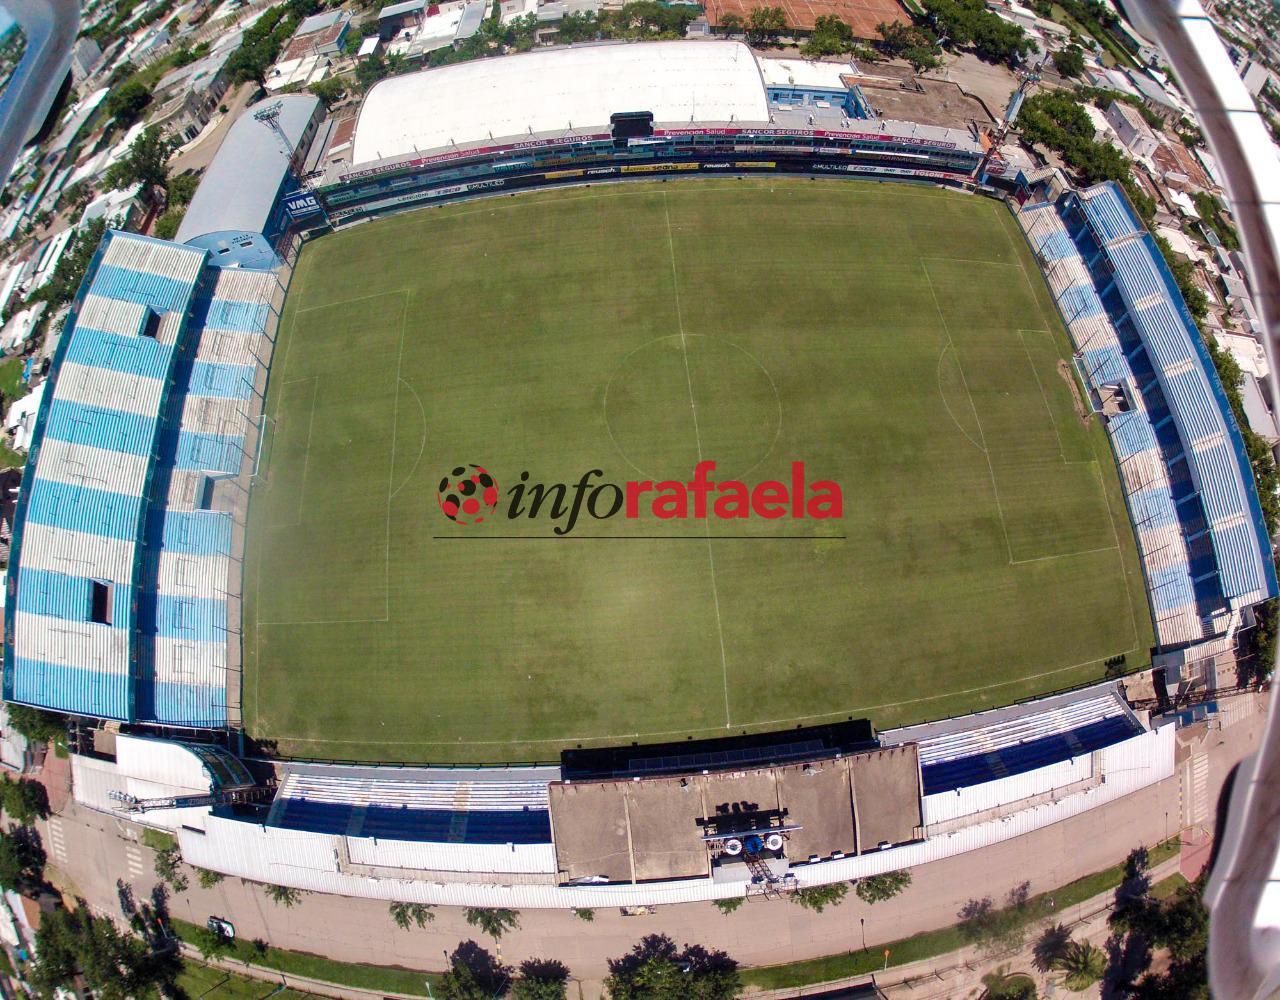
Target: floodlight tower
(270, 117)
(1026, 81)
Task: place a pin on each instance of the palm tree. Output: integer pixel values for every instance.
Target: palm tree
(1083, 964)
(1050, 946)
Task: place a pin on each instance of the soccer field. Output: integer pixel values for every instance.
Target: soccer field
(897, 340)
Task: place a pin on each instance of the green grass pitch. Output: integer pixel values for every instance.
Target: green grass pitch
(898, 340)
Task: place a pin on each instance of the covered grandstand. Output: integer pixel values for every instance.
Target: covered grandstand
(559, 90)
(1188, 483)
(521, 837)
(121, 566)
(548, 117)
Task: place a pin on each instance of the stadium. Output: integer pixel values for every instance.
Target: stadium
(297, 504)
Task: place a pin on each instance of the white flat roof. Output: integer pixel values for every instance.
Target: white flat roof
(554, 89)
(804, 73)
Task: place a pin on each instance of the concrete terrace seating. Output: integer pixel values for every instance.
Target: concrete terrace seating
(191, 547)
(414, 805)
(958, 753)
(1144, 475)
(464, 795)
(1021, 729)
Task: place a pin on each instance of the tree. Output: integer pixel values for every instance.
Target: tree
(70, 271)
(541, 979)
(584, 913)
(876, 888)
(997, 929)
(127, 102)
(473, 974)
(407, 914)
(831, 36)
(1050, 946)
(25, 801)
(494, 921)
(283, 895)
(655, 969)
(969, 23)
(146, 163)
(37, 725)
(330, 90)
(765, 24)
(21, 860)
(1083, 964)
(904, 41)
(818, 897)
(371, 70)
(182, 189)
(731, 24)
(727, 906)
(115, 965)
(207, 878)
(166, 227)
(1069, 61)
(169, 868)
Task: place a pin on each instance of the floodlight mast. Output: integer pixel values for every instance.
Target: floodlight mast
(270, 117)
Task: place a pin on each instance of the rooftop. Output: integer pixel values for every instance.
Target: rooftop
(559, 89)
(238, 191)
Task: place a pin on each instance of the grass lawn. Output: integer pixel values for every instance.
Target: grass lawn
(12, 388)
(897, 340)
(365, 977)
(200, 980)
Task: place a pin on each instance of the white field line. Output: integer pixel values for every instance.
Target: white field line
(711, 559)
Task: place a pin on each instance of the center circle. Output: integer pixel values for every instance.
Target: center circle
(677, 398)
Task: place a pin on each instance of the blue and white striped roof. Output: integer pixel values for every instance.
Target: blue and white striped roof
(1211, 440)
(88, 479)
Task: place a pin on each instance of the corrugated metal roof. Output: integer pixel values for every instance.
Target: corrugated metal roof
(238, 191)
(74, 574)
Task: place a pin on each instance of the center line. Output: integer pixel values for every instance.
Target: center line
(697, 436)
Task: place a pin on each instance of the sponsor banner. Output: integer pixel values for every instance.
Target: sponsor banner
(808, 133)
(301, 205)
(480, 151)
(717, 166)
(554, 175)
(413, 196)
(861, 168)
(648, 168)
(766, 164)
(600, 171)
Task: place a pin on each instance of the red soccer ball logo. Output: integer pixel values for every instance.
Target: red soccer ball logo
(468, 494)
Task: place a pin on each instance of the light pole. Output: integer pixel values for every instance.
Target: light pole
(863, 921)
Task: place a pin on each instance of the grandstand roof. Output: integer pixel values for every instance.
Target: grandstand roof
(559, 89)
(238, 191)
(71, 628)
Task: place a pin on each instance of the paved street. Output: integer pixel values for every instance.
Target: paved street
(93, 850)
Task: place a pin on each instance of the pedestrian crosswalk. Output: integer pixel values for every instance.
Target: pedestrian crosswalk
(133, 860)
(1196, 805)
(57, 843)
